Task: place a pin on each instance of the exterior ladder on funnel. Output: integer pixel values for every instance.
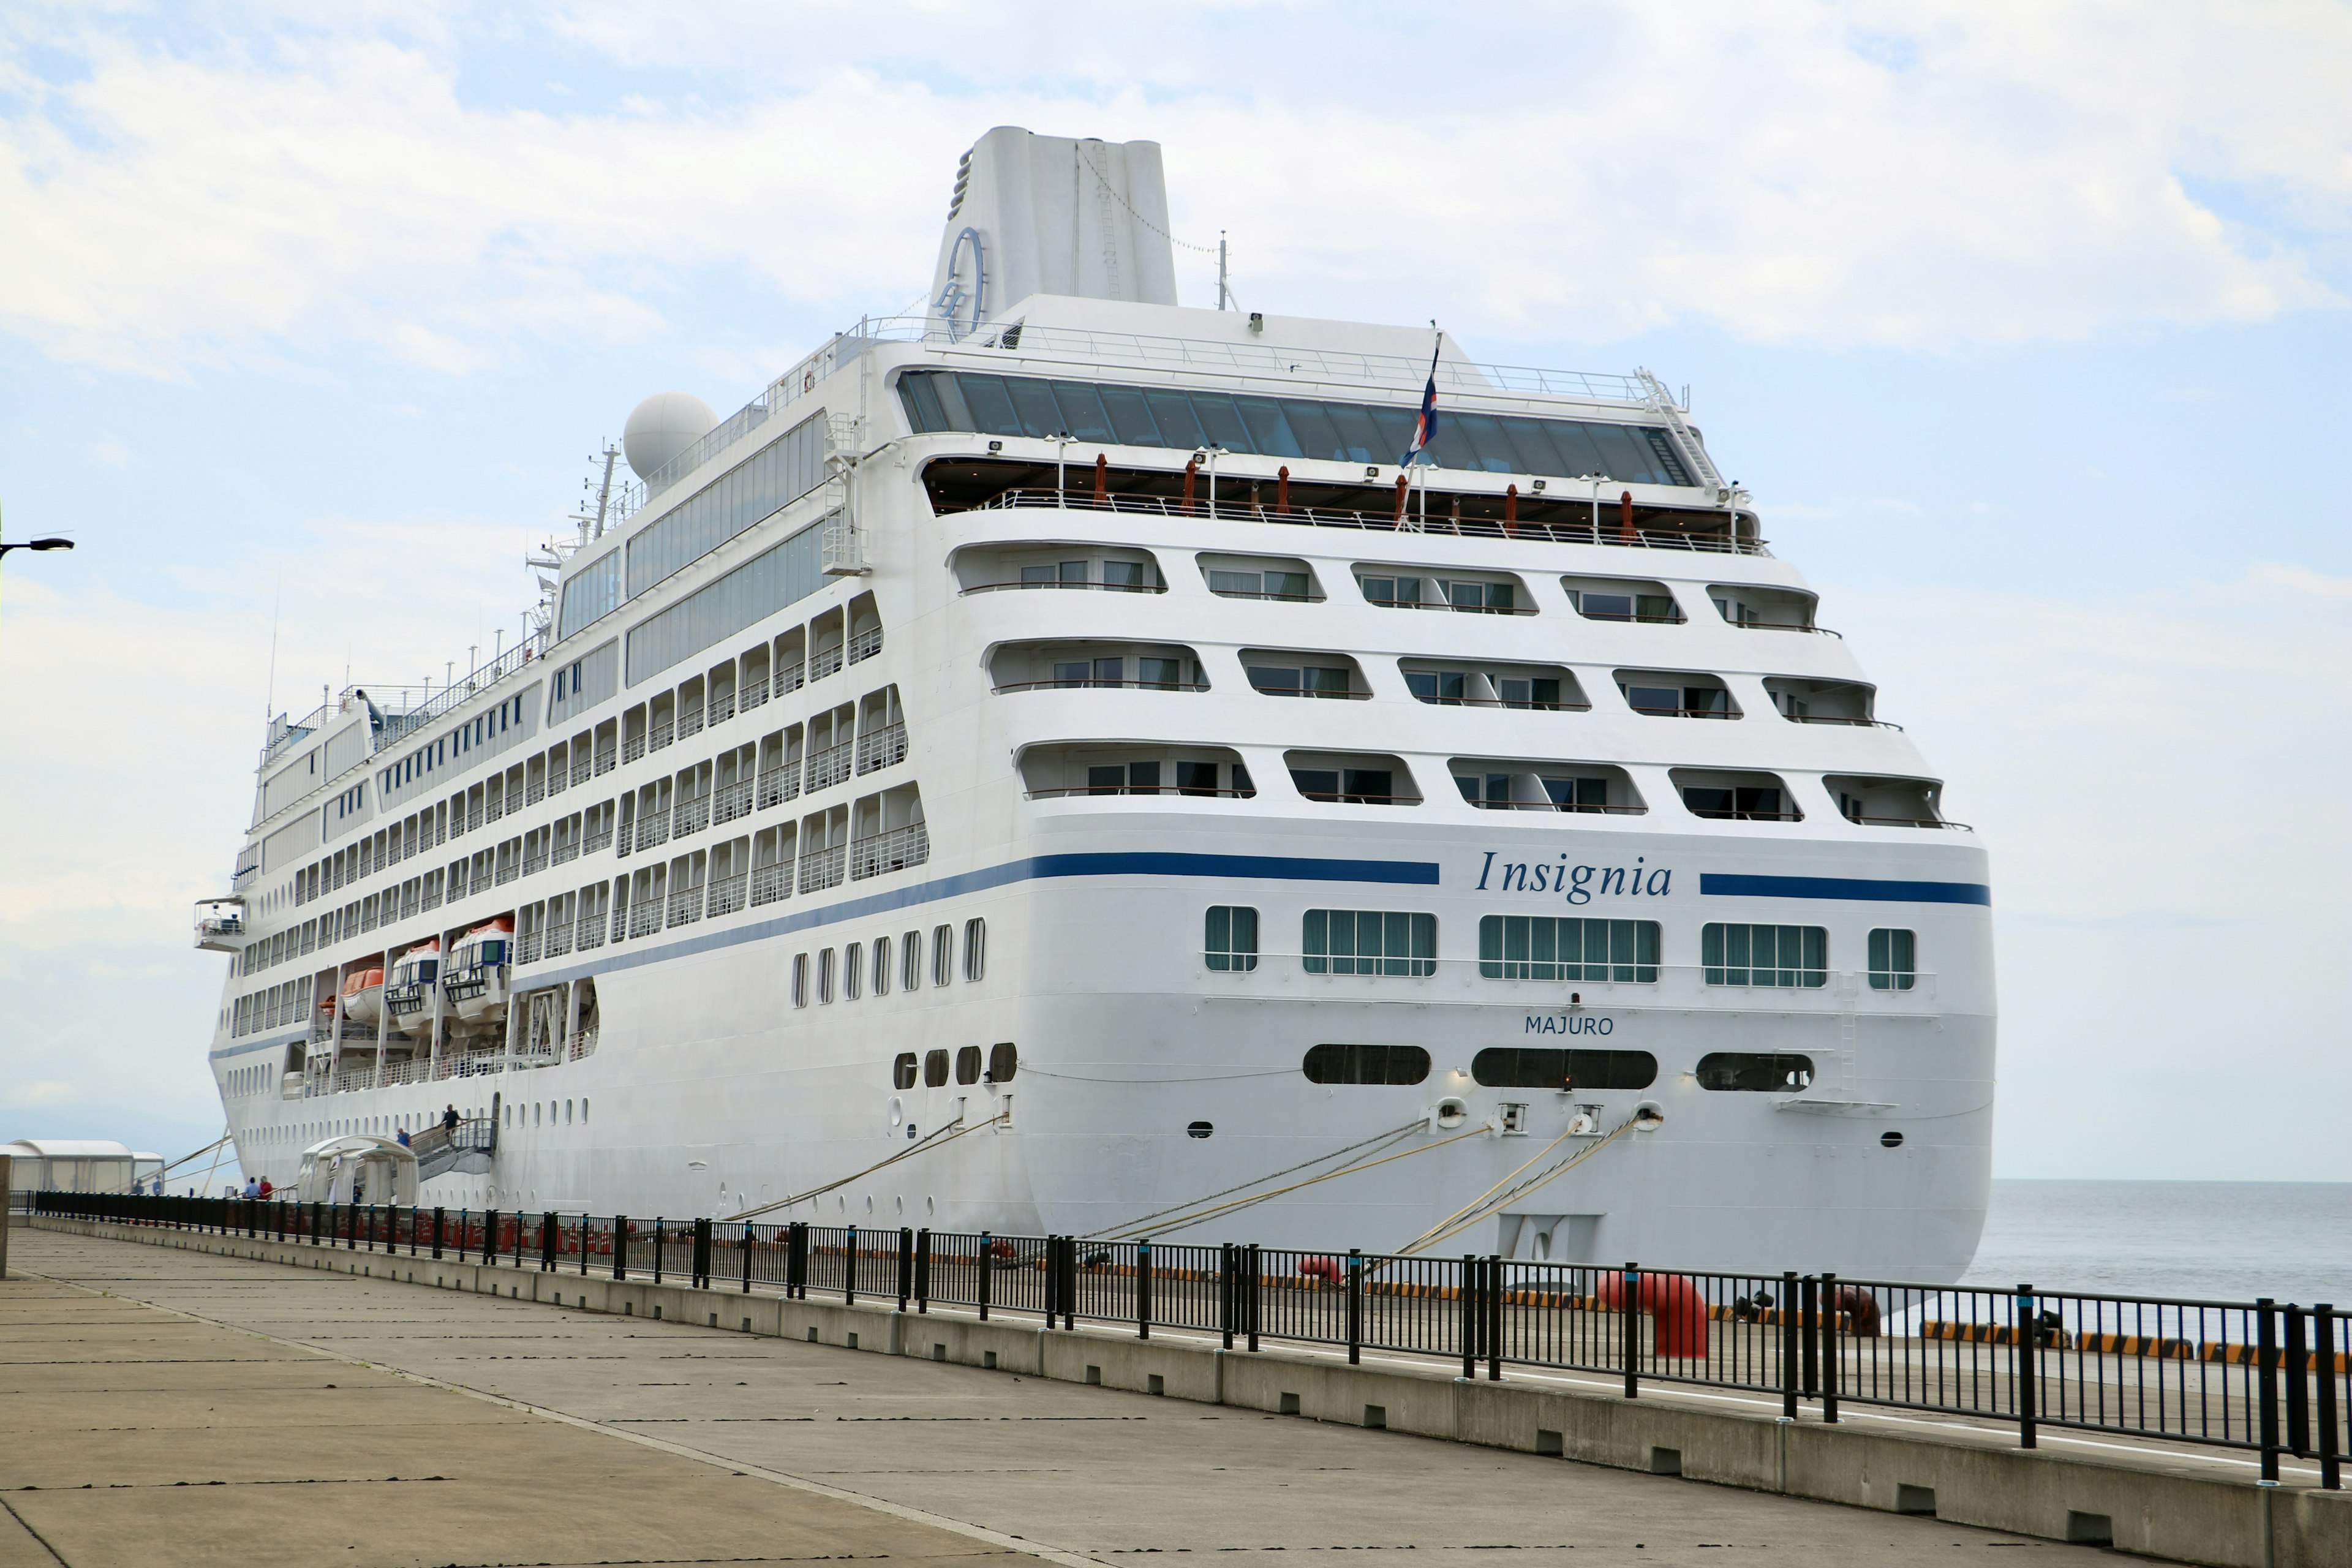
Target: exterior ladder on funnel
(1685, 439)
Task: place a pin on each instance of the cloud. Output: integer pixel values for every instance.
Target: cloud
(1838, 173)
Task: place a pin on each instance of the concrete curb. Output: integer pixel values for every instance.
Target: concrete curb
(2145, 1508)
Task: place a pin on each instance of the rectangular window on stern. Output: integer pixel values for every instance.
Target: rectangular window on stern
(1230, 941)
(1893, 955)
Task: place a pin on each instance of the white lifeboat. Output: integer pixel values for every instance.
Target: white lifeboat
(363, 997)
(476, 975)
(412, 975)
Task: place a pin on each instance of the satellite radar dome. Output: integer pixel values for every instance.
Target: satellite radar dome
(662, 426)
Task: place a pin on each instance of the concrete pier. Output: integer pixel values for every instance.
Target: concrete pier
(179, 1406)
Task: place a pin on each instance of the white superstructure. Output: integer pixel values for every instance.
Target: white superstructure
(1054, 735)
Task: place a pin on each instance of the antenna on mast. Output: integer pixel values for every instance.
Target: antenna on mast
(1224, 293)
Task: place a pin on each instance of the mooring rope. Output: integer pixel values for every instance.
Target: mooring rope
(948, 1134)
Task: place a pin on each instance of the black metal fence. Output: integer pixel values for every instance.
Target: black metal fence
(2268, 1377)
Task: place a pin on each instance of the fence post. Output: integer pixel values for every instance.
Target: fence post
(2026, 1366)
(1789, 1345)
(1829, 1348)
(1494, 1317)
(1226, 1299)
(584, 1248)
(657, 1248)
(490, 1238)
(1252, 1302)
(702, 1254)
(2266, 1374)
(906, 1267)
(1054, 1262)
(548, 1234)
(2299, 1394)
(850, 1278)
(923, 1269)
(1628, 1338)
(1143, 1289)
(987, 1271)
(438, 1214)
(1808, 1348)
(620, 1246)
(2322, 1345)
(1471, 1317)
(747, 1257)
(796, 1260)
(1355, 1306)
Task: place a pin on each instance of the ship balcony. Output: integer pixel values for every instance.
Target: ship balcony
(1677, 694)
(1507, 785)
(1725, 795)
(1753, 608)
(1622, 599)
(1891, 802)
(1458, 592)
(1331, 675)
(1105, 768)
(1096, 665)
(1350, 778)
(1283, 578)
(1539, 687)
(220, 925)
(1803, 701)
(1032, 568)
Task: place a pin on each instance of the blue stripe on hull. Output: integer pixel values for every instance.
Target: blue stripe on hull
(1731, 885)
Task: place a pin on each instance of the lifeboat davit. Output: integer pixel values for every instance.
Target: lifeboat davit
(363, 997)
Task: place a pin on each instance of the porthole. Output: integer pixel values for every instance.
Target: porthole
(1890, 1140)
(1199, 1130)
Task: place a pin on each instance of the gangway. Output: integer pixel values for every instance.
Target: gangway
(466, 1149)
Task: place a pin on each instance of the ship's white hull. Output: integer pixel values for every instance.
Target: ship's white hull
(709, 1092)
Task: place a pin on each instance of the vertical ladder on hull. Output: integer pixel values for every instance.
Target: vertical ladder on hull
(1848, 986)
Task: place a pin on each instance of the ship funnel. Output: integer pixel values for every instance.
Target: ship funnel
(1050, 215)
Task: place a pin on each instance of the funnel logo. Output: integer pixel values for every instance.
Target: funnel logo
(962, 301)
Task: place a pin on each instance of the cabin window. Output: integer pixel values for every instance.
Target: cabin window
(1366, 1064)
(942, 953)
(1893, 955)
(935, 1068)
(902, 1070)
(1368, 942)
(975, 949)
(910, 960)
(881, 966)
(1542, 947)
(1004, 1061)
(1229, 941)
(1794, 956)
(967, 1064)
(1755, 1072)
(825, 976)
(852, 971)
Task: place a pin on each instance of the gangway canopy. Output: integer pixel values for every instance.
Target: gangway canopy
(77, 1165)
(357, 1168)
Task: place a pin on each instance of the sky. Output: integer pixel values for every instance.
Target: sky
(2025, 324)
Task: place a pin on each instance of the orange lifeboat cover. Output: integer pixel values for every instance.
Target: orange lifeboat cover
(502, 926)
(361, 980)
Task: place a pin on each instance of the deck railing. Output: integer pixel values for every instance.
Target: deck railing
(1608, 530)
(2260, 1377)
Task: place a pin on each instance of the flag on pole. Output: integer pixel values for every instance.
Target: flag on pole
(1425, 427)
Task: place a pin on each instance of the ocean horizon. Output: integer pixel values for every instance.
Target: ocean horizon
(2237, 1241)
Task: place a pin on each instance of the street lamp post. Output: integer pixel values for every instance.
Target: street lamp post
(35, 544)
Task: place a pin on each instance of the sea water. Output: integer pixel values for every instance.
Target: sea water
(2230, 1241)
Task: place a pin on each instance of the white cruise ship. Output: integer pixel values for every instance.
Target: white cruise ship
(1045, 766)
